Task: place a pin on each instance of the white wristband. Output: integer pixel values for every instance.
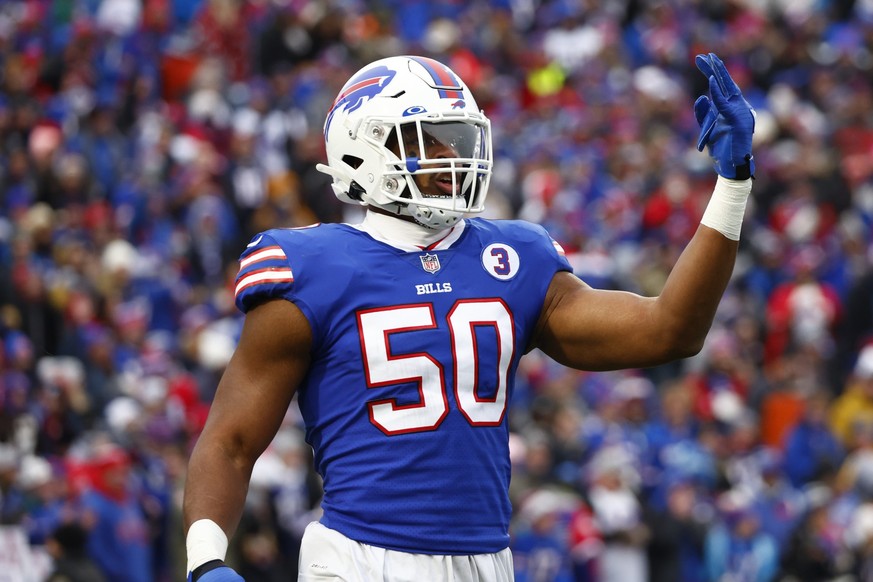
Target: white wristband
(205, 541)
(727, 206)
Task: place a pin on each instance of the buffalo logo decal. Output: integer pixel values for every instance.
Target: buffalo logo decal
(359, 90)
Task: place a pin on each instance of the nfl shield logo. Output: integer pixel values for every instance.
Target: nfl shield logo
(430, 263)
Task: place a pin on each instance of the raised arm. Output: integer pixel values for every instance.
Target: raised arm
(601, 330)
(594, 329)
(251, 400)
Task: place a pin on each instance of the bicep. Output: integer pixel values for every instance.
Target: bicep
(257, 386)
(594, 329)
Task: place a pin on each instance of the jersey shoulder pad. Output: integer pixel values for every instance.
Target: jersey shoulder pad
(533, 236)
(515, 229)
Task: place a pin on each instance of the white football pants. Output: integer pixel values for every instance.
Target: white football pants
(326, 554)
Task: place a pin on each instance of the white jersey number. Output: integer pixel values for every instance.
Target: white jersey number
(382, 368)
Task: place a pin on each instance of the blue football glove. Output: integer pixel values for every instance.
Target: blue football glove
(726, 120)
(214, 571)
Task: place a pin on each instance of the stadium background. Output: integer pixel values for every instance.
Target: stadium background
(142, 142)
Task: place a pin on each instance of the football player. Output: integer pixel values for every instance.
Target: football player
(401, 335)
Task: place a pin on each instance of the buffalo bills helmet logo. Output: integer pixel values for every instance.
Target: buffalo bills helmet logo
(360, 89)
(459, 104)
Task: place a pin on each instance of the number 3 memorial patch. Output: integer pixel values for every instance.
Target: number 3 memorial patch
(501, 261)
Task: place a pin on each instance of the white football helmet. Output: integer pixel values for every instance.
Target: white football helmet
(405, 134)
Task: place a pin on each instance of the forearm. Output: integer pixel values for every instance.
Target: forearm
(216, 485)
(215, 492)
(697, 282)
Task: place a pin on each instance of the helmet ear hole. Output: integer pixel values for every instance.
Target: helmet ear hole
(353, 161)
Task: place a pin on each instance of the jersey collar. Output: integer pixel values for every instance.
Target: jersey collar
(407, 236)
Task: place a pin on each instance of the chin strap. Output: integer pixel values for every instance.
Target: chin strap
(332, 172)
(354, 192)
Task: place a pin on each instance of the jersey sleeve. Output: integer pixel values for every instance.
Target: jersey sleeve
(264, 273)
(560, 255)
(550, 251)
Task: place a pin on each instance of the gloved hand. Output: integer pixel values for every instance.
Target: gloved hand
(726, 120)
(214, 571)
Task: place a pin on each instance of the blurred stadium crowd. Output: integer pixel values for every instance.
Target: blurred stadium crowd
(143, 142)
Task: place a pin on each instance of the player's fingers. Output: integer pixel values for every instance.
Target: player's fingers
(725, 81)
(701, 108)
(704, 66)
(705, 132)
(711, 60)
(719, 98)
(706, 117)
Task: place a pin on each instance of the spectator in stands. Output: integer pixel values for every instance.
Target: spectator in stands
(119, 540)
(618, 514)
(67, 547)
(675, 550)
(854, 407)
(115, 129)
(736, 548)
(816, 550)
(539, 548)
(812, 451)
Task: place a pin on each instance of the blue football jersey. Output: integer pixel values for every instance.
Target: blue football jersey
(413, 362)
